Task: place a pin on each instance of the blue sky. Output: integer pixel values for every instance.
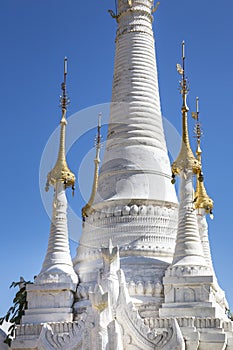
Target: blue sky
(35, 37)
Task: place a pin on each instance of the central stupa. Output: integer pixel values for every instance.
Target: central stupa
(135, 205)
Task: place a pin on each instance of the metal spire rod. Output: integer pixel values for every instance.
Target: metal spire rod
(183, 58)
(198, 132)
(64, 99)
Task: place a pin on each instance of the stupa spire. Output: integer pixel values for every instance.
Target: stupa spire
(186, 159)
(87, 207)
(58, 263)
(202, 200)
(51, 297)
(188, 250)
(61, 171)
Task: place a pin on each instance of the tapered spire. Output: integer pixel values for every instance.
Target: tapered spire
(188, 249)
(61, 171)
(135, 164)
(87, 207)
(135, 204)
(202, 200)
(57, 263)
(186, 159)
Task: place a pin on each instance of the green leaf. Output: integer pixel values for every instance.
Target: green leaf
(15, 312)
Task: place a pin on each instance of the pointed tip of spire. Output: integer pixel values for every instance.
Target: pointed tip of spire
(65, 64)
(183, 49)
(99, 119)
(197, 104)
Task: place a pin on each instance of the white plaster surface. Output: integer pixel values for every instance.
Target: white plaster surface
(58, 266)
(189, 249)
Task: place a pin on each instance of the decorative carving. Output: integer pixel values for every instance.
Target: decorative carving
(188, 271)
(152, 229)
(148, 288)
(71, 340)
(135, 328)
(168, 339)
(110, 254)
(161, 210)
(99, 299)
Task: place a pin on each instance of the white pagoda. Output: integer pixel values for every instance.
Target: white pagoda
(142, 277)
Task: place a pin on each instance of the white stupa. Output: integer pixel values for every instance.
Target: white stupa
(142, 277)
(136, 204)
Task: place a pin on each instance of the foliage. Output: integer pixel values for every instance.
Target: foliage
(15, 312)
(229, 314)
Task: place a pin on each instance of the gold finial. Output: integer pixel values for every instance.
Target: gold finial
(202, 200)
(87, 207)
(61, 171)
(186, 159)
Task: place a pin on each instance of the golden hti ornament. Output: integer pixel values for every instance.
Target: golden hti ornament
(61, 172)
(186, 159)
(202, 200)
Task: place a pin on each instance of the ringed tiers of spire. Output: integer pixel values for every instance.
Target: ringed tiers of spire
(61, 171)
